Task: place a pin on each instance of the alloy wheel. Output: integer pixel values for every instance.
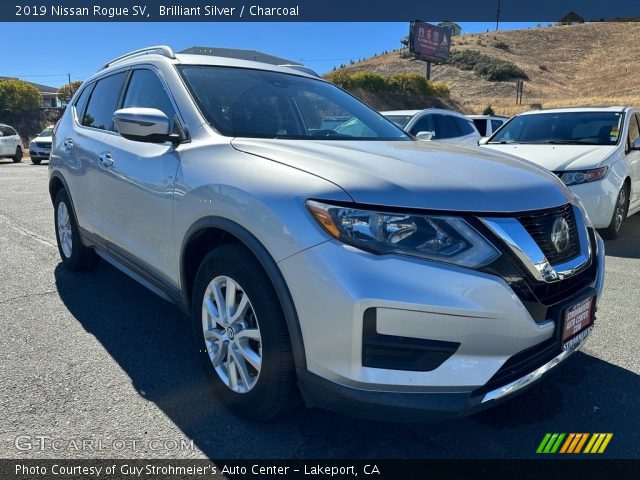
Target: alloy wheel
(64, 230)
(231, 334)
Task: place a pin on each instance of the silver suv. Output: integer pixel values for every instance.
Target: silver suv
(371, 273)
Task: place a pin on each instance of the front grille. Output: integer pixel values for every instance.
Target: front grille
(44, 144)
(540, 224)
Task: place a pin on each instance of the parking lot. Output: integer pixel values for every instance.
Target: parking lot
(96, 356)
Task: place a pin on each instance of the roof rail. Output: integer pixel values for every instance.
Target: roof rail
(157, 49)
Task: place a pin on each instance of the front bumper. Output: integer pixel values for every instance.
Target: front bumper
(417, 300)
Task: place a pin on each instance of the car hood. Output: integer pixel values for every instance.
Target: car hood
(558, 157)
(42, 139)
(415, 174)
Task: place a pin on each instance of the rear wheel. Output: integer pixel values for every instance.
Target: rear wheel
(619, 214)
(17, 157)
(241, 334)
(75, 256)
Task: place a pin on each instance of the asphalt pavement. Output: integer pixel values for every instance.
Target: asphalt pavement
(93, 365)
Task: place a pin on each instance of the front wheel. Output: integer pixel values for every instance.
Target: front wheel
(17, 157)
(241, 334)
(619, 214)
(36, 161)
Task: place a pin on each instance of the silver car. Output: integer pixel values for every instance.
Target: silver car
(364, 272)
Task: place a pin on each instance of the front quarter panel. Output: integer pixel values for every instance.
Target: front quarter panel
(261, 195)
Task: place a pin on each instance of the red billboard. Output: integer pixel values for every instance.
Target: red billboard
(428, 42)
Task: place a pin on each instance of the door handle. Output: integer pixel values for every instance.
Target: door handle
(106, 160)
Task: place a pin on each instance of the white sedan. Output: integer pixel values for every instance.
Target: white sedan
(436, 124)
(595, 152)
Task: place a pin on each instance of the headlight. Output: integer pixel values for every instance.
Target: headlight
(436, 237)
(577, 177)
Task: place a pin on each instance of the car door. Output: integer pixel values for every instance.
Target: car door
(633, 160)
(137, 184)
(13, 140)
(4, 149)
(79, 143)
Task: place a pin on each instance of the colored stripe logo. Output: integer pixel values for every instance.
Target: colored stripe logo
(574, 443)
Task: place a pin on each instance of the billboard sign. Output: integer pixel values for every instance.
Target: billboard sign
(428, 42)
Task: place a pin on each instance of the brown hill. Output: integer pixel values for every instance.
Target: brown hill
(568, 65)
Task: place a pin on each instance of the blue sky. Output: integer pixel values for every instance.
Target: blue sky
(46, 52)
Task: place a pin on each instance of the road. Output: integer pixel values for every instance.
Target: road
(95, 356)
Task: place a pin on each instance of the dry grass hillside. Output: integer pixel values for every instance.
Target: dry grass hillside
(589, 64)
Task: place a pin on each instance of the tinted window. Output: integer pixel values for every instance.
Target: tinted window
(103, 102)
(241, 102)
(424, 124)
(633, 130)
(496, 124)
(9, 132)
(481, 125)
(445, 127)
(81, 102)
(465, 127)
(146, 90)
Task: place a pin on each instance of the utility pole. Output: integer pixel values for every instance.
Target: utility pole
(497, 15)
(69, 78)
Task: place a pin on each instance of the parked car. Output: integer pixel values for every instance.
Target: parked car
(436, 124)
(10, 143)
(594, 151)
(376, 274)
(487, 125)
(40, 147)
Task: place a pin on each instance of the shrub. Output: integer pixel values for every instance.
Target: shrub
(501, 45)
(544, 68)
(488, 110)
(489, 68)
(66, 92)
(18, 97)
(406, 83)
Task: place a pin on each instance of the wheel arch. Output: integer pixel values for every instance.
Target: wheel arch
(210, 232)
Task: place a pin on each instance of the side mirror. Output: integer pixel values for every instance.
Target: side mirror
(636, 144)
(426, 136)
(483, 141)
(142, 124)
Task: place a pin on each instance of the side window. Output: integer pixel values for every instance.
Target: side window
(465, 127)
(103, 102)
(495, 125)
(481, 125)
(81, 102)
(634, 132)
(424, 124)
(446, 127)
(146, 90)
(9, 132)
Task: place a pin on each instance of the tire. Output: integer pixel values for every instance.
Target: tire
(261, 393)
(17, 158)
(36, 161)
(75, 256)
(619, 214)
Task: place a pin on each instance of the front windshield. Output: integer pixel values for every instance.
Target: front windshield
(570, 128)
(47, 132)
(241, 102)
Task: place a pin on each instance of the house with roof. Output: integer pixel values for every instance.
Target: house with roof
(454, 27)
(49, 94)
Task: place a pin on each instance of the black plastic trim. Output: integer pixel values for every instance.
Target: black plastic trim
(393, 352)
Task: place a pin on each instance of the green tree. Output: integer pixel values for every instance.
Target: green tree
(65, 93)
(18, 97)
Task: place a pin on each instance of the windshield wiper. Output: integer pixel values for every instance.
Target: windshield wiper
(503, 142)
(568, 142)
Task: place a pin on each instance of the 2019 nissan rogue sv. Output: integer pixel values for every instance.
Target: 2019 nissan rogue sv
(371, 273)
